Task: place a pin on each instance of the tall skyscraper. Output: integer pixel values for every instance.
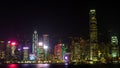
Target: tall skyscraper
(46, 39)
(58, 52)
(34, 42)
(93, 34)
(115, 47)
(46, 44)
(2, 49)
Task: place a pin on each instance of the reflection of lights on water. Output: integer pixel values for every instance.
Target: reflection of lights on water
(66, 63)
(25, 64)
(43, 65)
(12, 66)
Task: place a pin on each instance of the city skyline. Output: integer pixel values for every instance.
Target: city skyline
(69, 32)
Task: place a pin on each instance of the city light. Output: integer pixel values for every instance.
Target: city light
(9, 42)
(45, 47)
(19, 49)
(25, 47)
(32, 56)
(13, 43)
(66, 58)
(40, 43)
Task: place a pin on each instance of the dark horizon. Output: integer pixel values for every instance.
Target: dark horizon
(61, 18)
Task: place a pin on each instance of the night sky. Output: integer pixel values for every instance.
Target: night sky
(57, 18)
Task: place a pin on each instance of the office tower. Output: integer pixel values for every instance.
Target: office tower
(25, 53)
(2, 49)
(46, 45)
(34, 42)
(93, 34)
(115, 47)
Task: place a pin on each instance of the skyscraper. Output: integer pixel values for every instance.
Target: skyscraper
(34, 42)
(46, 39)
(25, 53)
(46, 44)
(93, 34)
(115, 47)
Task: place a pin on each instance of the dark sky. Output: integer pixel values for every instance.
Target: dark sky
(60, 17)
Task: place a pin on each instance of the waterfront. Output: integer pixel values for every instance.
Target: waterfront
(57, 66)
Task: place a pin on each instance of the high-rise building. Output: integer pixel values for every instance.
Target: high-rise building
(8, 51)
(93, 34)
(2, 49)
(40, 51)
(25, 53)
(58, 51)
(115, 47)
(46, 39)
(46, 45)
(34, 42)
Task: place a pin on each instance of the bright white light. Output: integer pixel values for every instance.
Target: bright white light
(45, 47)
(13, 43)
(66, 57)
(40, 43)
(9, 41)
(25, 47)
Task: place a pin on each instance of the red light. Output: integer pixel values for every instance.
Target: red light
(12, 66)
(13, 43)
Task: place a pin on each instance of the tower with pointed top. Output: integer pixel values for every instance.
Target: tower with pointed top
(34, 42)
(93, 34)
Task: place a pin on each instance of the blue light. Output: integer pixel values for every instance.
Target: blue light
(32, 58)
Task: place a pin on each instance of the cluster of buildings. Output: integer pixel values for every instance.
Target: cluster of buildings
(39, 50)
(80, 50)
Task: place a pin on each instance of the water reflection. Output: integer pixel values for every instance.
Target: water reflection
(12, 66)
(56, 66)
(25, 65)
(42, 65)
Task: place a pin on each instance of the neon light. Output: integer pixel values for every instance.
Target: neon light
(25, 47)
(13, 43)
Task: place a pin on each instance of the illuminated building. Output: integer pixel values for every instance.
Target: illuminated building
(75, 49)
(93, 35)
(25, 53)
(40, 51)
(59, 51)
(115, 47)
(34, 42)
(32, 57)
(46, 39)
(63, 50)
(46, 44)
(13, 47)
(8, 51)
(2, 49)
